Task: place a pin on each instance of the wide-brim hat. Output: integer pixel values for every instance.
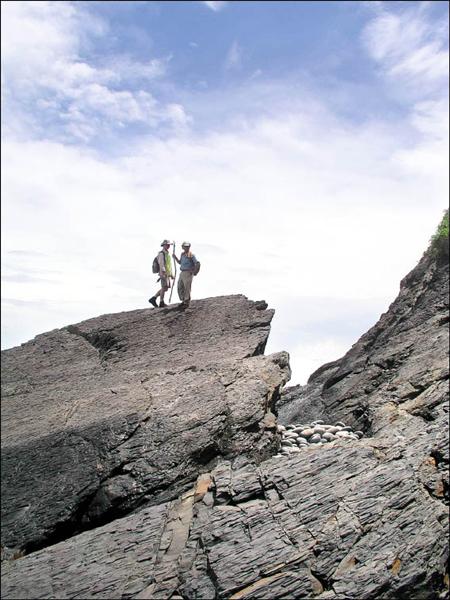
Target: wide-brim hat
(165, 243)
(185, 245)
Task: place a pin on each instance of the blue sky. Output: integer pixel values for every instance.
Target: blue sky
(267, 35)
(301, 146)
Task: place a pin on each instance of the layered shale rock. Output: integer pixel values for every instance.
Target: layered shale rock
(125, 410)
(358, 516)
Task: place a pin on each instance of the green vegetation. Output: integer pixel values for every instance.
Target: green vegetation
(442, 230)
(439, 241)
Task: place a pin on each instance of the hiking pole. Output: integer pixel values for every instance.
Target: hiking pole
(175, 274)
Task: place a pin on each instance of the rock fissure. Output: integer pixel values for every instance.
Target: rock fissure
(291, 538)
(443, 496)
(327, 584)
(172, 543)
(347, 507)
(258, 351)
(61, 531)
(335, 379)
(130, 434)
(210, 571)
(105, 342)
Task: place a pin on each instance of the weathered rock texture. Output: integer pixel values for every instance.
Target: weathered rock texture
(125, 410)
(352, 519)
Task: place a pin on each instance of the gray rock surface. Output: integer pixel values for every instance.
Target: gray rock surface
(125, 410)
(362, 517)
(114, 561)
(350, 521)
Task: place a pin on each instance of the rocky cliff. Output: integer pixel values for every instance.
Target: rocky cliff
(140, 457)
(126, 410)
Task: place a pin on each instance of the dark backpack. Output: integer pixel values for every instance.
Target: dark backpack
(155, 264)
(196, 268)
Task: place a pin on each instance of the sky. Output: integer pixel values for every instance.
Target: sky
(301, 147)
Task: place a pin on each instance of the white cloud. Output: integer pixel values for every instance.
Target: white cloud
(40, 39)
(177, 114)
(127, 69)
(428, 158)
(233, 58)
(432, 118)
(412, 51)
(256, 73)
(41, 64)
(409, 46)
(34, 33)
(215, 5)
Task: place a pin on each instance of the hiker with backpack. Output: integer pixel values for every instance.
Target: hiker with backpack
(162, 264)
(189, 267)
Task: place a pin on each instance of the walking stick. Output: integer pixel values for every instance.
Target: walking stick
(175, 274)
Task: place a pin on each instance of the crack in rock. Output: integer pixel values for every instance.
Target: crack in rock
(105, 342)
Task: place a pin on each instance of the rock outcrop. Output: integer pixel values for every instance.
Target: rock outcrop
(125, 410)
(207, 508)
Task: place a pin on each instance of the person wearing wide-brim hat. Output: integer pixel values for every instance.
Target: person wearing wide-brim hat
(165, 274)
(189, 266)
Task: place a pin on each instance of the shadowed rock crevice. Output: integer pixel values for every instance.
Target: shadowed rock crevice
(324, 582)
(259, 350)
(210, 571)
(105, 342)
(110, 493)
(70, 527)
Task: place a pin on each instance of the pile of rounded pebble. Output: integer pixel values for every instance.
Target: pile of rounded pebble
(295, 438)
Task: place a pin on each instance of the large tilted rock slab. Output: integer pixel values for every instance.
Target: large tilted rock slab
(347, 520)
(126, 409)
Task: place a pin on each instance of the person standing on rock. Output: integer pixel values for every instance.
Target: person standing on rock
(189, 266)
(165, 274)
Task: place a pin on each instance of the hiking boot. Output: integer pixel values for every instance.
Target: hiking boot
(152, 301)
(162, 304)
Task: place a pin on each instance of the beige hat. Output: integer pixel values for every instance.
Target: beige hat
(185, 245)
(165, 243)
